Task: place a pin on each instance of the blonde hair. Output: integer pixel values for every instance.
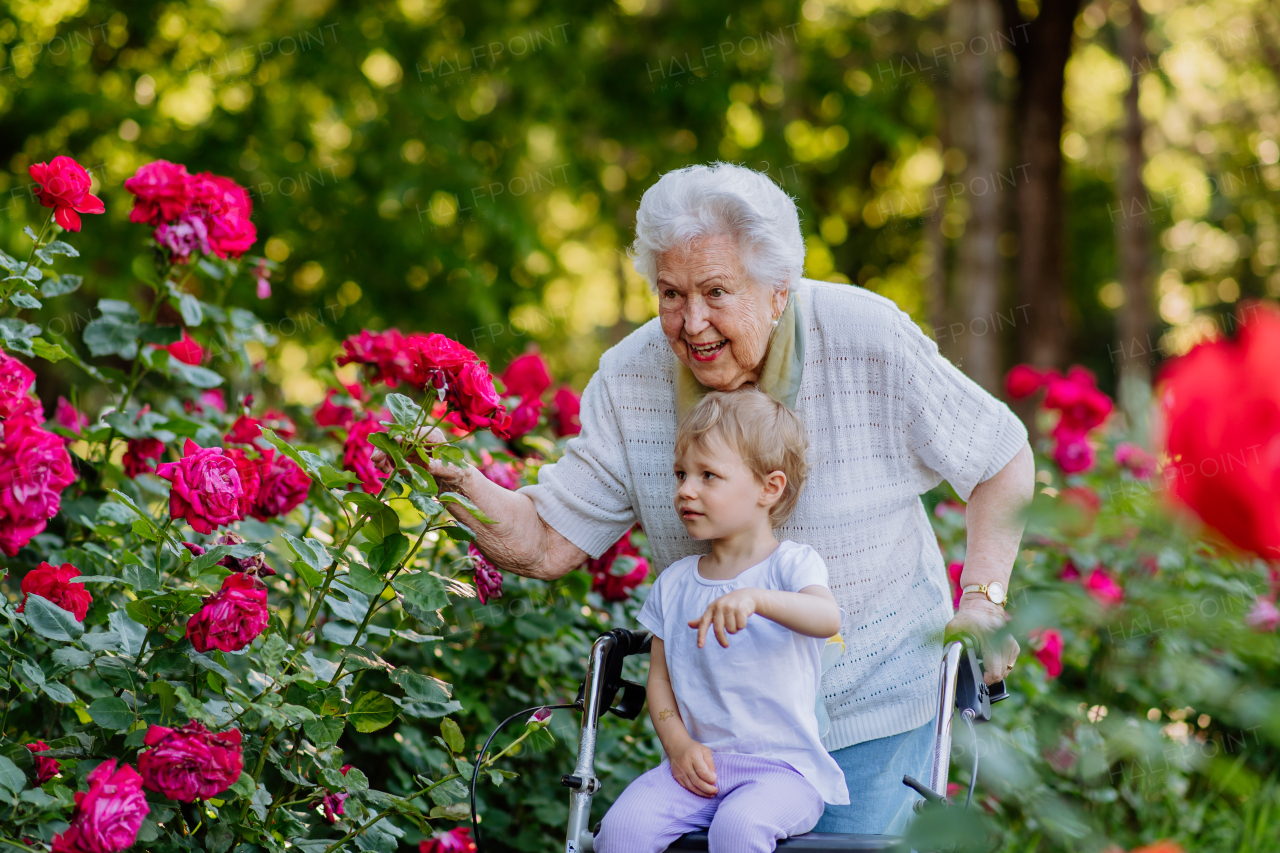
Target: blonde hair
(765, 433)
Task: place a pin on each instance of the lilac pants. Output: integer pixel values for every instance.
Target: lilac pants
(761, 801)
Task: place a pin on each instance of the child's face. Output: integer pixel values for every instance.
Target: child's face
(717, 494)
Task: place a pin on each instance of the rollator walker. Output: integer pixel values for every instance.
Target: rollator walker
(960, 688)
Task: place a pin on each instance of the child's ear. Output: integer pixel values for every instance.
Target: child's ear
(775, 482)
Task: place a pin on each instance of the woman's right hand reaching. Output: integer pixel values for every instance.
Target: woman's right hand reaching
(447, 475)
(693, 766)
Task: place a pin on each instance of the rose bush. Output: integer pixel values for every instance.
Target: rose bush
(210, 601)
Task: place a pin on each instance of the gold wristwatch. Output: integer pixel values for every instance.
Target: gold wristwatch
(994, 591)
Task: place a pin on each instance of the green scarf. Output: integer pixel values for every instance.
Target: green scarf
(780, 375)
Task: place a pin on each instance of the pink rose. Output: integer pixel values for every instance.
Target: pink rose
(108, 815)
(357, 455)
(161, 190)
(190, 762)
(953, 577)
(382, 352)
(255, 565)
(69, 417)
(333, 804)
(487, 577)
(527, 376)
(1073, 453)
(1263, 617)
(262, 276)
(34, 469)
(16, 380)
(502, 473)
(1082, 405)
(284, 486)
(1139, 462)
(54, 585)
(456, 840)
(64, 186)
(46, 768)
(232, 617)
(331, 414)
(1103, 587)
(139, 455)
(567, 405)
(184, 237)
(1047, 645)
(207, 488)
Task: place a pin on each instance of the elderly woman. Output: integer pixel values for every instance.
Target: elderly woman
(888, 419)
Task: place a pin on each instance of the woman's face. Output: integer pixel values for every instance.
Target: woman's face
(716, 320)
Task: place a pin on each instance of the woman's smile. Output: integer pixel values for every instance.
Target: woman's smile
(707, 351)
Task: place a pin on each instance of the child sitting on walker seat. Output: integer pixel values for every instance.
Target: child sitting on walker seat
(736, 717)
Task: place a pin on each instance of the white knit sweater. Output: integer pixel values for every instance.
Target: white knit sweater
(888, 419)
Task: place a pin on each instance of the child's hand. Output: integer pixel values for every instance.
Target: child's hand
(727, 613)
(694, 768)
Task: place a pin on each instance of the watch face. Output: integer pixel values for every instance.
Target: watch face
(995, 592)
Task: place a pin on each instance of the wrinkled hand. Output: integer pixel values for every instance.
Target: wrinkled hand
(444, 472)
(695, 769)
(983, 620)
(728, 613)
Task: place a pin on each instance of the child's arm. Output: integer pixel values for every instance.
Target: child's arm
(691, 762)
(812, 611)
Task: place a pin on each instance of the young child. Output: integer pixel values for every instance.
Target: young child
(736, 716)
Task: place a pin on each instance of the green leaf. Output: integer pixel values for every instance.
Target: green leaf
(141, 578)
(49, 352)
(355, 781)
(422, 688)
(383, 522)
(496, 776)
(460, 533)
(11, 777)
(25, 300)
(388, 554)
(390, 446)
(117, 672)
(452, 735)
(288, 450)
(273, 651)
(201, 377)
(425, 503)
(448, 793)
(115, 332)
(51, 621)
(364, 580)
(144, 613)
(325, 731)
(161, 336)
(58, 692)
(404, 410)
(69, 658)
(358, 658)
(111, 713)
(455, 498)
(332, 478)
(310, 576)
(145, 529)
(189, 307)
(310, 551)
(372, 711)
(60, 285)
(422, 589)
(244, 786)
(58, 247)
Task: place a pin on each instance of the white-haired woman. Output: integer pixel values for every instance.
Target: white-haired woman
(888, 419)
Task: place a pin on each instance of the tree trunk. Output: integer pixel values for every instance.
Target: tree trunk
(1042, 47)
(977, 129)
(935, 246)
(1136, 347)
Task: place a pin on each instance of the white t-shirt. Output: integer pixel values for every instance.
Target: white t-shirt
(756, 697)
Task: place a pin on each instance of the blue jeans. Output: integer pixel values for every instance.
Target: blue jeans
(879, 803)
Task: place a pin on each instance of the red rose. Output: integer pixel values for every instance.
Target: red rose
(64, 186)
(207, 487)
(186, 350)
(383, 353)
(1047, 645)
(46, 768)
(1102, 587)
(226, 209)
(34, 469)
(331, 414)
(487, 576)
(524, 418)
(953, 578)
(108, 815)
(1072, 452)
(1221, 405)
(618, 570)
(245, 430)
(16, 380)
(1024, 380)
(567, 404)
(279, 423)
(69, 417)
(162, 192)
(232, 617)
(54, 585)
(1082, 405)
(357, 455)
(138, 456)
(456, 840)
(437, 361)
(527, 377)
(475, 399)
(284, 486)
(190, 763)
